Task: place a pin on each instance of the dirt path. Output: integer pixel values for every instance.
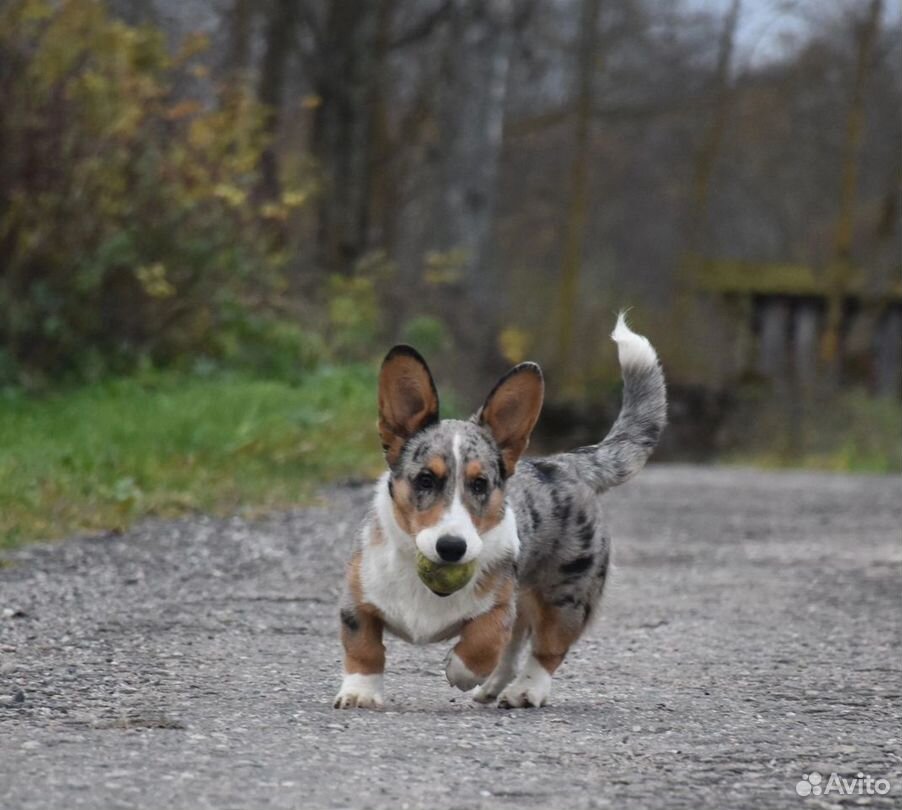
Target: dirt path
(751, 635)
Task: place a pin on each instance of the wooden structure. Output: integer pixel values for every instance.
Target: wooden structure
(782, 309)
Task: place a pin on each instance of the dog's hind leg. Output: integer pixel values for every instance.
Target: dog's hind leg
(554, 629)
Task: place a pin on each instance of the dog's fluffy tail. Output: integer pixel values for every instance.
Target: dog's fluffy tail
(643, 415)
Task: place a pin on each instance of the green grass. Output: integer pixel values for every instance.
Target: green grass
(103, 456)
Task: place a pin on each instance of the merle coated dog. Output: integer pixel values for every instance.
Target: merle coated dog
(458, 491)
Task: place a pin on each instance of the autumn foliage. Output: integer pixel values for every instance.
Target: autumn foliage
(129, 226)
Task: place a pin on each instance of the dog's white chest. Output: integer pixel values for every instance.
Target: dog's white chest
(390, 582)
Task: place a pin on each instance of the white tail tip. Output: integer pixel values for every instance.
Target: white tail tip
(632, 349)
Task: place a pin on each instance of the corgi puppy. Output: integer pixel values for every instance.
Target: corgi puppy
(458, 492)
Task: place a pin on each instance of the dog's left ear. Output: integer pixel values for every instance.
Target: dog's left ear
(511, 411)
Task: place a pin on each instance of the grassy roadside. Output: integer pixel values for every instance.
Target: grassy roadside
(852, 432)
(102, 456)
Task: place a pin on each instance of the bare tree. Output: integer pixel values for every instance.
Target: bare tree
(341, 138)
(238, 21)
(587, 64)
(279, 38)
(471, 106)
(867, 31)
(708, 153)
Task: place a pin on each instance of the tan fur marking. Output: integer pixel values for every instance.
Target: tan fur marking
(483, 638)
(392, 443)
(352, 578)
(376, 537)
(493, 514)
(437, 467)
(364, 650)
(409, 519)
(473, 470)
(552, 634)
(424, 520)
(401, 506)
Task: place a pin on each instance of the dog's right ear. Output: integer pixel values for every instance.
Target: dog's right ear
(408, 402)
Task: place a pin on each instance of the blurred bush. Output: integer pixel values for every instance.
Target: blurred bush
(353, 314)
(131, 229)
(428, 333)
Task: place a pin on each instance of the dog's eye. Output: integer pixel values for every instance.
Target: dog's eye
(425, 481)
(479, 486)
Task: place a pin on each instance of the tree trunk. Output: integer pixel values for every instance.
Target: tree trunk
(841, 268)
(709, 151)
(686, 314)
(383, 202)
(577, 207)
(342, 132)
(471, 104)
(281, 29)
(238, 49)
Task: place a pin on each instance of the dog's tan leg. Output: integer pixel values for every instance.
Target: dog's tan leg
(476, 654)
(482, 640)
(506, 670)
(361, 636)
(554, 630)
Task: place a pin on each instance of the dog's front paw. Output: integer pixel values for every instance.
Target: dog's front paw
(360, 692)
(459, 674)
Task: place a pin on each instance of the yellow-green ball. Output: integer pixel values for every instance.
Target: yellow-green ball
(444, 578)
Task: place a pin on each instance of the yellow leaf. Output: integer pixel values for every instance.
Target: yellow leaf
(273, 211)
(514, 344)
(153, 280)
(294, 199)
(233, 195)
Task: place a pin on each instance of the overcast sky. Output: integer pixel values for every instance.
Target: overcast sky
(770, 28)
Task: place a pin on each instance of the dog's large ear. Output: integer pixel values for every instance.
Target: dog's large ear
(511, 411)
(408, 401)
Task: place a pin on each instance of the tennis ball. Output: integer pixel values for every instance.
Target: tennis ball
(444, 579)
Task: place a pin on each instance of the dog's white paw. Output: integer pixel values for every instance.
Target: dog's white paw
(459, 674)
(485, 694)
(518, 697)
(360, 692)
(530, 689)
(488, 692)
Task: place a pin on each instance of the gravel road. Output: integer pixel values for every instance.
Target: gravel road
(750, 635)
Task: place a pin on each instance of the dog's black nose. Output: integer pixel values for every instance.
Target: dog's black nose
(450, 548)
